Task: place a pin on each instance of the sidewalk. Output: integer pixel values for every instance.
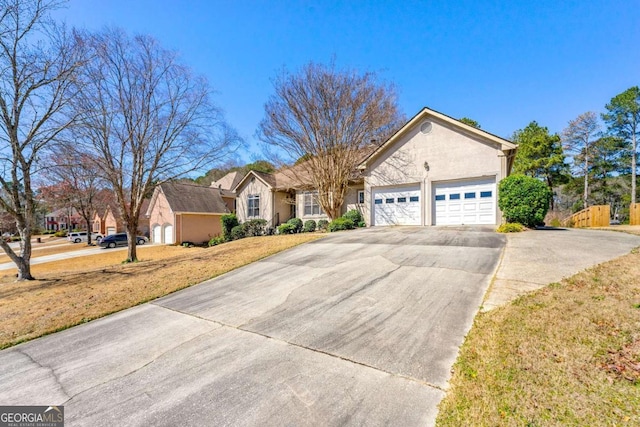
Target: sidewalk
(534, 259)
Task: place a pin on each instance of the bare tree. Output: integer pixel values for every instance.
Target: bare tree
(578, 139)
(327, 116)
(147, 118)
(37, 68)
(75, 178)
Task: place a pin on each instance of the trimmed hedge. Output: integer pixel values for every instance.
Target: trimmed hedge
(323, 224)
(341, 223)
(297, 224)
(309, 226)
(229, 221)
(524, 199)
(286, 228)
(354, 215)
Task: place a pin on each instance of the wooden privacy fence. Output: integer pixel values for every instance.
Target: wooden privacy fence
(634, 214)
(593, 216)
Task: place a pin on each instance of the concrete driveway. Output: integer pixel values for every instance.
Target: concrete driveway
(357, 328)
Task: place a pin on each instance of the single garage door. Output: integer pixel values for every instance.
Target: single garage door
(465, 202)
(111, 230)
(157, 234)
(168, 234)
(396, 206)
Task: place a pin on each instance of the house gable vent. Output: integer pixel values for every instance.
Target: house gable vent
(426, 127)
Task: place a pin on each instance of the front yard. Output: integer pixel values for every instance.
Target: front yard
(567, 355)
(80, 289)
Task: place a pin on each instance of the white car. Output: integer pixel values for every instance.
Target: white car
(81, 236)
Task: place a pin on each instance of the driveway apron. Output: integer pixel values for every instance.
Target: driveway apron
(360, 327)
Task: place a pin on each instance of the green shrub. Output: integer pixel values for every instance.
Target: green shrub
(309, 226)
(341, 224)
(286, 228)
(216, 240)
(297, 223)
(254, 227)
(362, 224)
(524, 199)
(60, 233)
(229, 221)
(354, 215)
(555, 222)
(237, 232)
(510, 227)
(323, 224)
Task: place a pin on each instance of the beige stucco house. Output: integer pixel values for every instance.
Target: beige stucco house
(436, 170)
(286, 194)
(181, 212)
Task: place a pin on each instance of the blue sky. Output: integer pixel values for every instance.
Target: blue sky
(503, 64)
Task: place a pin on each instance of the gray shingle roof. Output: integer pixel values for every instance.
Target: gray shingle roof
(193, 198)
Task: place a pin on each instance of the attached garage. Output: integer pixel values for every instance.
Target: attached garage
(396, 206)
(436, 170)
(465, 202)
(111, 230)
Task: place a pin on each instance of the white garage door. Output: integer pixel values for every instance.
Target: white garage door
(396, 206)
(111, 230)
(157, 234)
(466, 202)
(168, 234)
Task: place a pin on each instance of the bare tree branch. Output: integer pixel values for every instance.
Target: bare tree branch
(38, 65)
(147, 118)
(328, 116)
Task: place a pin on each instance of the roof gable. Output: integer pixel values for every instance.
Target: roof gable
(425, 113)
(229, 181)
(191, 198)
(267, 178)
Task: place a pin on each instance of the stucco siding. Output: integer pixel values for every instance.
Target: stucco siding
(198, 228)
(300, 209)
(110, 222)
(255, 186)
(351, 199)
(161, 214)
(450, 153)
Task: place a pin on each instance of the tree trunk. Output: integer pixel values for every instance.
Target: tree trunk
(21, 261)
(633, 168)
(586, 180)
(132, 234)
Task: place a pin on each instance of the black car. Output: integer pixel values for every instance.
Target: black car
(120, 239)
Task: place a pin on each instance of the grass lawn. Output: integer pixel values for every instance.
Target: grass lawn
(80, 289)
(567, 355)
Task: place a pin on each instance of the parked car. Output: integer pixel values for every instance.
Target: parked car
(120, 239)
(81, 236)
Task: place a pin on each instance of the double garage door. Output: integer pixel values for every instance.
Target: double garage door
(454, 203)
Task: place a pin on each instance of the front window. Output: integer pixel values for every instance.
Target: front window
(361, 196)
(311, 203)
(253, 205)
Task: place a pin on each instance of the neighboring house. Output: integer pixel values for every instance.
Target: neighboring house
(436, 170)
(109, 221)
(226, 185)
(63, 219)
(181, 212)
